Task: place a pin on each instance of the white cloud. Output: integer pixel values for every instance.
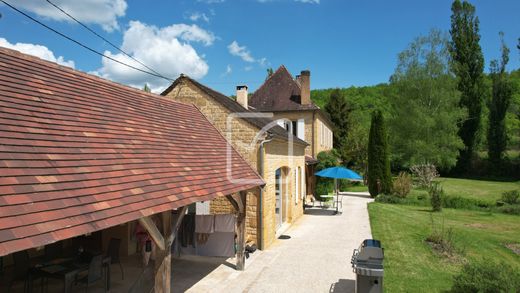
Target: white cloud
(228, 71)
(196, 16)
(241, 51)
(211, 1)
(101, 12)
(38, 51)
(308, 1)
(167, 50)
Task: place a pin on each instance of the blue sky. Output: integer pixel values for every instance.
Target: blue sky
(223, 43)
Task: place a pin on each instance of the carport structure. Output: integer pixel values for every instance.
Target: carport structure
(80, 154)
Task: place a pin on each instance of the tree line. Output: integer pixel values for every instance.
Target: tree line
(439, 107)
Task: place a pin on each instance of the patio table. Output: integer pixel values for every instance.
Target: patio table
(67, 269)
(325, 196)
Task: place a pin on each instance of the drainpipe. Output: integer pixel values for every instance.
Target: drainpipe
(260, 206)
(313, 124)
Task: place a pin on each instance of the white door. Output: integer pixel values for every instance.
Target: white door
(278, 202)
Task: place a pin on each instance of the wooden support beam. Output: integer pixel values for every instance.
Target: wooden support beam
(233, 202)
(156, 235)
(241, 231)
(177, 224)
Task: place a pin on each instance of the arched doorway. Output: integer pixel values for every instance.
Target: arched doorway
(281, 196)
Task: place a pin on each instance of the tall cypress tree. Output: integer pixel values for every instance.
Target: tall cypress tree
(501, 95)
(468, 65)
(338, 110)
(379, 176)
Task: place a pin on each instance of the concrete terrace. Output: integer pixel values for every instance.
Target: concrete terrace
(315, 259)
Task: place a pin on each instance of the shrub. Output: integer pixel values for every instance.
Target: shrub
(441, 239)
(402, 185)
(457, 202)
(510, 209)
(511, 197)
(424, 174)
(486, 276)
(387, 198)
(436, 195)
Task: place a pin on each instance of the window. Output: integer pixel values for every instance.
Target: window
(303, 190)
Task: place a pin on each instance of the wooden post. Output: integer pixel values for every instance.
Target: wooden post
(241, 239)
(163, 258)
(239, 203)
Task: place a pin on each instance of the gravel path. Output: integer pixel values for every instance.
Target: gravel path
(315, 259)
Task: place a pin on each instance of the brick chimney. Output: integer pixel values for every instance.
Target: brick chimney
(305, 85)
(242, 95)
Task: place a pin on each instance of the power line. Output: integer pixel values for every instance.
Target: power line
(101, 37)
(83, 45)
(153, 73)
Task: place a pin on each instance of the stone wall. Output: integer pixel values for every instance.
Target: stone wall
(277, 157)
(294, 116)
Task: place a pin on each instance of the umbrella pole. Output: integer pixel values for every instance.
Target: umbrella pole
(337, 195)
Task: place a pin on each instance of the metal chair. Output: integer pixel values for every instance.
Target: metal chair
(338, 200)
(95, 272)
(21, 269)
(113, 252)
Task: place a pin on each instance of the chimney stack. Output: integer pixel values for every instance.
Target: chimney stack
(242, 95)
(305, 85)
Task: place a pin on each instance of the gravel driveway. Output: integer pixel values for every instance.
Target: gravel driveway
(316, 258)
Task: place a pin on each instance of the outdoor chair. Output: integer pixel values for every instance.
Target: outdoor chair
(21, 269)
(53, 251)
(95, 272)
(113, 252)
(338, 200)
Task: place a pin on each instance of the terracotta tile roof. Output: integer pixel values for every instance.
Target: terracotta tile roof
(80, 154)
(235, 107)
(280, 92)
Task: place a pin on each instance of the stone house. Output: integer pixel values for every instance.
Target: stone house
(289, 99)
(277, 155)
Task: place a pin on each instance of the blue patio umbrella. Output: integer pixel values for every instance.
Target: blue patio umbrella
(338, 173)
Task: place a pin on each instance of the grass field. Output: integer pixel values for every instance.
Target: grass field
(410, 263)
(477, 189)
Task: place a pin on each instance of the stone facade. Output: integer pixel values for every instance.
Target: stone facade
(241, 134)
(312, 120)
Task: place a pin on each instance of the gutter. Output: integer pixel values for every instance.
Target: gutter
(260, 205)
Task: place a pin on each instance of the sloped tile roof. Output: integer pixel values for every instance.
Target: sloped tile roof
(79, 154)
(235, 107)
(280, 92)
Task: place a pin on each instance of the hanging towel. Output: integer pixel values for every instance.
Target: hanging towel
(225, 223)
(204, 224)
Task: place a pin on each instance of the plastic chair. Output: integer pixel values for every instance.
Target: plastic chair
(338, 200)
(95, 272)
(113, 252)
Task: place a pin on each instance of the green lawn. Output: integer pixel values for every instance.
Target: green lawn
(477, 189)
(410, 263)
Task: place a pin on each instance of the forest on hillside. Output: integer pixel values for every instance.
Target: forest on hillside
(362, 101)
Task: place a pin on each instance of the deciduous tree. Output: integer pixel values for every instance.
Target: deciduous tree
(339, 110)
(425, 109)
(468, 65)
(501, 94)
